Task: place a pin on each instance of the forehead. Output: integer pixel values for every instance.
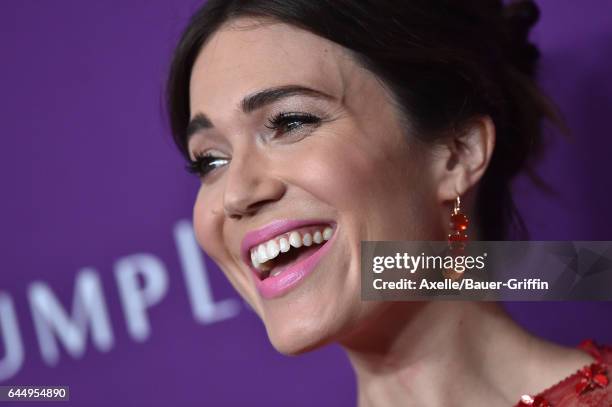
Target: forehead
(248, 55)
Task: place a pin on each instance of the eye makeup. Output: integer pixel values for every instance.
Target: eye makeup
(283, 124)
(204, 163)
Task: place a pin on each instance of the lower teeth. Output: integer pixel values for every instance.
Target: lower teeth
(279, 267)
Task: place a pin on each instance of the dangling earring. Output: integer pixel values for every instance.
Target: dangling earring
(457, 238)
(458, 224)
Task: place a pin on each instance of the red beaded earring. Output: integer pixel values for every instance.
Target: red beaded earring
(457, 238)
(458, 224)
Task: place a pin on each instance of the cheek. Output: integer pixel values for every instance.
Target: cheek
(382, 189)
(334, 173)
(207, 225)
(208, 219)
(351, 176)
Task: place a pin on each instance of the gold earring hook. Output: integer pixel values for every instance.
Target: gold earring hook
(457, 206)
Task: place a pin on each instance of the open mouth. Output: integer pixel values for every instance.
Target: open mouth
(274, 256)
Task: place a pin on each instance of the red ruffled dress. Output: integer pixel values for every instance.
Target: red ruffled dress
(588, 387)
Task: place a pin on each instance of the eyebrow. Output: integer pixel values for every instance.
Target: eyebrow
(256, 101)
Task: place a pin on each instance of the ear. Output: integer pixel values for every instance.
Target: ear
(463, 158)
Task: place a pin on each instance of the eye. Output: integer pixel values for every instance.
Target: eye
(289, 122)
(204, 163)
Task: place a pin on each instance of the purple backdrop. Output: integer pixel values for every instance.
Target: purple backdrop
(93, 194)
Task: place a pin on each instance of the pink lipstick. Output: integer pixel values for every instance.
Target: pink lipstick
(283, 277)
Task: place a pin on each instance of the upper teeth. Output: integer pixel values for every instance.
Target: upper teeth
(281, 244)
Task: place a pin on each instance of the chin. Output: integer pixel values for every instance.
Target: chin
(319, 309)
(301, 326)
(305, 326)
(295, 340)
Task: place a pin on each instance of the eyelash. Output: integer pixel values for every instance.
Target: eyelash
(286, 118)
(202, 165)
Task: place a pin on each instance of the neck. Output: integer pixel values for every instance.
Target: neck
(442, 353)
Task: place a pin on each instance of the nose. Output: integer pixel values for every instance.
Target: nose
(250, 185)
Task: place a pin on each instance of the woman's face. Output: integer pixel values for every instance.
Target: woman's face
(301, 147)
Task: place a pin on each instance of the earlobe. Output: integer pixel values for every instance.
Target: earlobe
(467, 157)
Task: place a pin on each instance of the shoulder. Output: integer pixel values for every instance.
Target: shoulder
(588, 387)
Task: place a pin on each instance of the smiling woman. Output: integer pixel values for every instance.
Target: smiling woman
(316, 125)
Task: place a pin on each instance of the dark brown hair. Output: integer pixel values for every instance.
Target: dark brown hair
(445, 62)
